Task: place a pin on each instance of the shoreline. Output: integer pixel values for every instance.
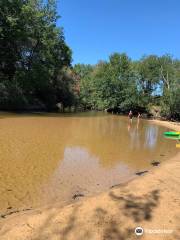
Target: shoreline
(151, 201)
(169, 124)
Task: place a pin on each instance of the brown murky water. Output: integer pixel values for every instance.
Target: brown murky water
(53, 157)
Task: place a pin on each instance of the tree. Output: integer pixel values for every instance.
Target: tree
(84, 78)
(33, 52)
(170, 77)
(148, 69)
(121, 84)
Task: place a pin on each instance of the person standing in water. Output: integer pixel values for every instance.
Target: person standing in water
(130, 115)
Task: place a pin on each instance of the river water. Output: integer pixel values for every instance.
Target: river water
(55, 157)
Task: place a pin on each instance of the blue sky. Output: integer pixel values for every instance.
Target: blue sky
(96, 28)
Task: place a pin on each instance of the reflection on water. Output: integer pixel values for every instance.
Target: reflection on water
(81, 172)
(54, 156)
(136, 138)
(151, 134)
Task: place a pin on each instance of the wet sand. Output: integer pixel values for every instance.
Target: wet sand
(151, 201)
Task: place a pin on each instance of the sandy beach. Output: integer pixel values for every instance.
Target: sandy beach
(151, 201)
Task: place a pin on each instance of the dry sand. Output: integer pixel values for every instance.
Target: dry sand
(151, 201)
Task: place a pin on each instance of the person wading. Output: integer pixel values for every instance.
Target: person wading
(130, 115)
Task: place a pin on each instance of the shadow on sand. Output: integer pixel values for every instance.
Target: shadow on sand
(97, 222)
(138, 208)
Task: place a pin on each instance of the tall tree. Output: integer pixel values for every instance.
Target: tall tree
(33, 51)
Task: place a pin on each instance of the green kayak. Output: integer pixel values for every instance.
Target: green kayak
(173, 134)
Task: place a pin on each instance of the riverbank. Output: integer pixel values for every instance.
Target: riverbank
(151, 201)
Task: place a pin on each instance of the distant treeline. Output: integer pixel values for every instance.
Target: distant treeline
(150, 85)
(36, 71)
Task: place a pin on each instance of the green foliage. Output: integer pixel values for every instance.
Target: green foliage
(32, 54)
(84, 75)
(148, 69)
(170, 102)
(122, 84)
